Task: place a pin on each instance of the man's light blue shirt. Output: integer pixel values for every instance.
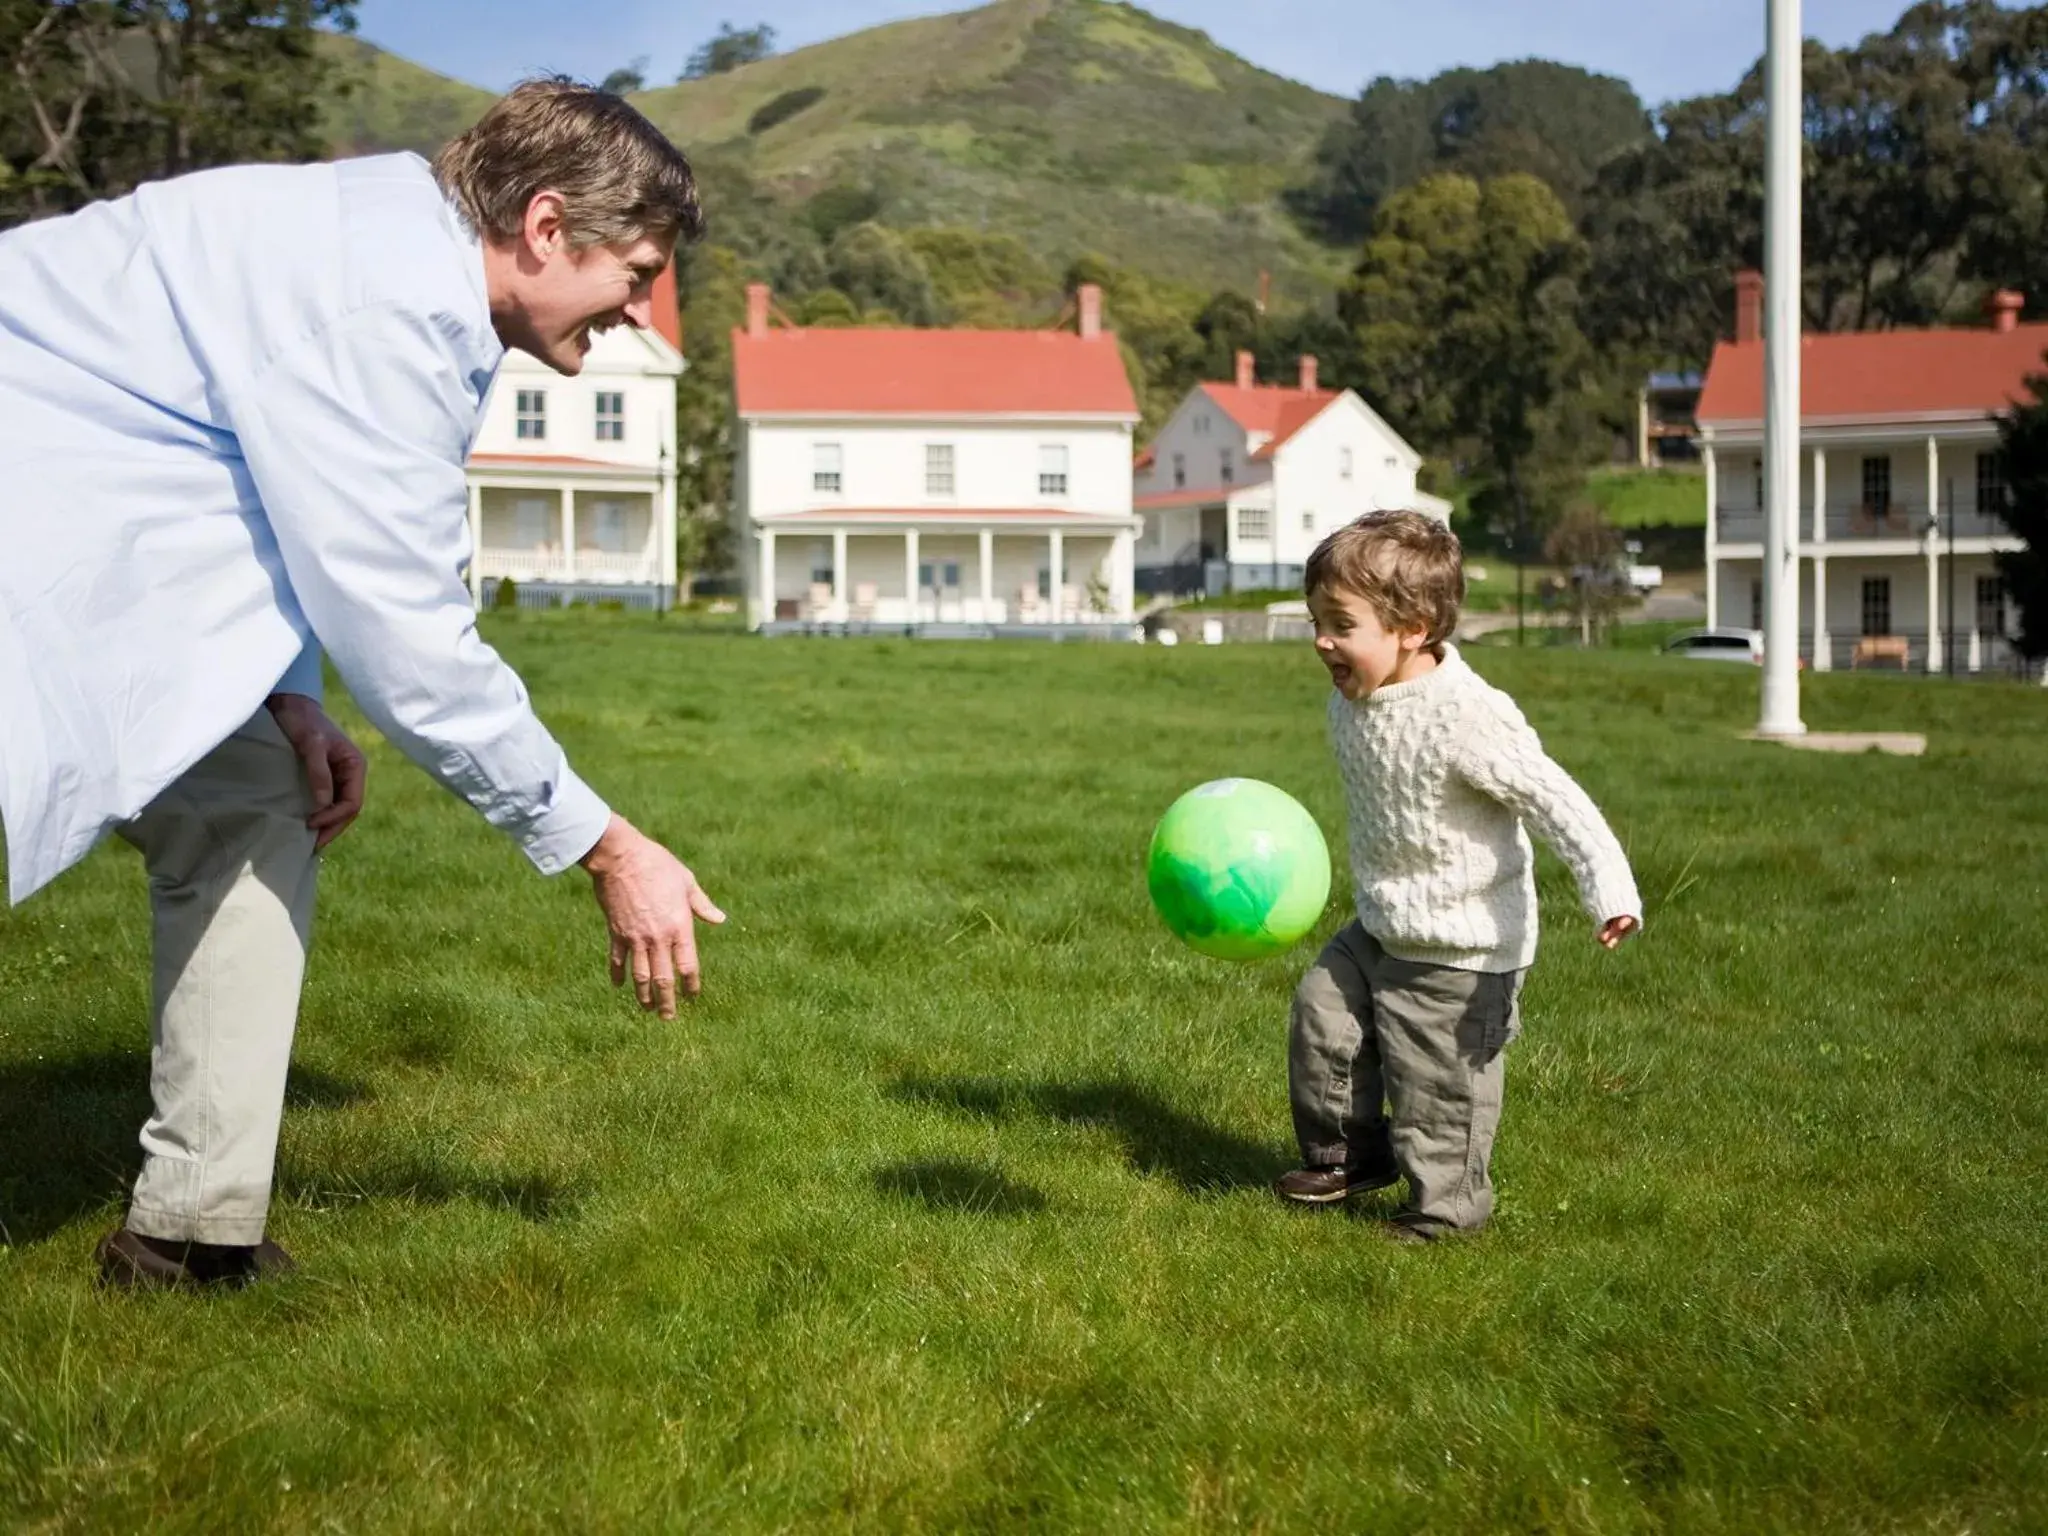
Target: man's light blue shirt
(234, 413)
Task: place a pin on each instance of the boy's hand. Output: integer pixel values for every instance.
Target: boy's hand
(1615, 929)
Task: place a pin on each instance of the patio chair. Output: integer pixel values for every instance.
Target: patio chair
(819, 604)
(1881, 648)
(864, 594)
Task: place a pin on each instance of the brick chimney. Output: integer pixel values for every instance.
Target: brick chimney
(1308, 374)
(2002, 309)
(1749, 306)
(1247, 374)
(1090, 296)
(757, 309)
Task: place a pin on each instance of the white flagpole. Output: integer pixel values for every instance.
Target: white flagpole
(1785, 137)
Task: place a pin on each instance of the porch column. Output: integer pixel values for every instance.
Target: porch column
(988, 575)
(839, 573)
(1823, 642)
(476, 545)
(1820, 495)
(568, 533)
(1058, 577)
(1123, 562)
(1934, 646)
(910, 592)
(764, 597)
(1713, 531)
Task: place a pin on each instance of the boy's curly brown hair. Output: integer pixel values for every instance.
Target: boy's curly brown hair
(1408, 566)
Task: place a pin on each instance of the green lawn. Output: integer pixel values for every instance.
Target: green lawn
(946, 1208)
(1633, 498)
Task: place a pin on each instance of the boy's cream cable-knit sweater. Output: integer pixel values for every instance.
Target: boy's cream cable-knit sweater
(1439, 777)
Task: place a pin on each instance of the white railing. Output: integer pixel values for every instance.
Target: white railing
(551, 565)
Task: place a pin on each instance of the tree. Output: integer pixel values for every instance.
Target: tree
(1587, 551)
(633, 77)
(103, 95)
(1547, 120)
(2023, 435)
(730, 50)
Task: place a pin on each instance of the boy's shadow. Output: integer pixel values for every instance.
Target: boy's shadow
(1157, 1138)
(68, 1134)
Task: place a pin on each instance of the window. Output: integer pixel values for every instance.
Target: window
(1990, 484)
(944, 574)
(532, 413)
(1877, 496)
(1756, 602)
(1225, 467)
(1254, 523)
(1180, 471)
(1392, 462)
(1202, 425)
(1877, 605)
(1308, 522)
(825, 467)
(1052, 469)
(938, 469)
(607, 527)
(1759, 482)
(1344, 463)
(821, 569)
(1990, 606)
(531, 517)
(611, 416)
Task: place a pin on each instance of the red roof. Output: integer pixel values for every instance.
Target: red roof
(1271, 408)
(863, 372)
(668, 318)
(1874, 375)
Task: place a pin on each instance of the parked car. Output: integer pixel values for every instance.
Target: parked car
(1719, 645)
(1644, 579)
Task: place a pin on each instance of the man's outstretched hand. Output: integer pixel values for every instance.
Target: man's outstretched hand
(336, 769)
(651, 902)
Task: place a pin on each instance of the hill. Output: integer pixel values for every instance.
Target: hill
(393, 103)
(1076, 125)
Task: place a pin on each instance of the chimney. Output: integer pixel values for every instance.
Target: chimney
(2003, 308)
(1090, 296)
(757, 309)
(1308, 374)
(1749, 306)
(1246, 376)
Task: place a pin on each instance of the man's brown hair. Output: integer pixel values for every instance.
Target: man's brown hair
(619, 176)
(1406, 565)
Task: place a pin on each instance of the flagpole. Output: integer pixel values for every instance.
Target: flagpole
(1785, 141)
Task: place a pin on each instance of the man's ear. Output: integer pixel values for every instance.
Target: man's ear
(545, 228)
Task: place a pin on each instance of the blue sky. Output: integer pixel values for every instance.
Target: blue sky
(1665, 48)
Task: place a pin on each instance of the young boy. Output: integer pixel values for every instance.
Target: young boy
(1414, 1002)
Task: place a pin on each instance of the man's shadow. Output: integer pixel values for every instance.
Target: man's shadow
(1157, 1138)
(68, 1133)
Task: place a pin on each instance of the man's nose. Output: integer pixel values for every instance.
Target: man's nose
(640, 313)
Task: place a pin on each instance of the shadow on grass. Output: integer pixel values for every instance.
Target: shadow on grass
(955, 1186)
(68, 1132)
(536, 1197)
(1157, 1138)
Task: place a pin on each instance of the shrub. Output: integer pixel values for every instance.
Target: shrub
(783, 108)
(507, 595)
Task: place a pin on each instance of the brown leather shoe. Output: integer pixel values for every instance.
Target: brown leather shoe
(134, 1262)
(1333, 1182)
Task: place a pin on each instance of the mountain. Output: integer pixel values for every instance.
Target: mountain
(1076, 125)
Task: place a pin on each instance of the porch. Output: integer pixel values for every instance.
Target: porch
(604, 533)
(910, 576)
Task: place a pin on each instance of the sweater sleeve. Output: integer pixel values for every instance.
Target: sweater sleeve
(1500, 756)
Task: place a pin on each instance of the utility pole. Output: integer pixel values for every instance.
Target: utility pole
(1784, 142)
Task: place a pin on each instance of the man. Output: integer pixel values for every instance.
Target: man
(234, 413)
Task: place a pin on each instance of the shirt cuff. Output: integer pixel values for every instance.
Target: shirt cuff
(569, 828)
(304, 674)
(1614, 895)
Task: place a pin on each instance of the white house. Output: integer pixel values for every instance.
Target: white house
(572, 481)
(1245, 479)
(910, 477)
(1900, 476)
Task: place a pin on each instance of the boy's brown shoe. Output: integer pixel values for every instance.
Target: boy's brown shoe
(134, 1262)
(1333, 1182)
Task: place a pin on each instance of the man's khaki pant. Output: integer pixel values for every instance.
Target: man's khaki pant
(231, 875)
(1425, 1042)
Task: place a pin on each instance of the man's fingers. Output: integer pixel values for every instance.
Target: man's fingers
(686, 964)
(319, 778)
(704, 906)
(643, 972)
(664, 982)
(618, 961)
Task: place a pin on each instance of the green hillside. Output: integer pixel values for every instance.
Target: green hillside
(1076, 125)
(393, 103)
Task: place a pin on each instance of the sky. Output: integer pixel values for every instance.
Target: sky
(1666, 49)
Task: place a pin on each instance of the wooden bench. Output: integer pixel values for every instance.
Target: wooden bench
(1881, 648)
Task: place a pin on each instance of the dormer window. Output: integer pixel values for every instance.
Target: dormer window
(1180, 471)
(611, 416)
(531, 412)
(1052, 469)
(825, 468)
(1226, 467)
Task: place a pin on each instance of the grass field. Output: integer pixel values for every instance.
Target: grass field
(1633, 498)
(946, 1209)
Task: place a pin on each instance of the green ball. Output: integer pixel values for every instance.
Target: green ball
(1238, 869)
